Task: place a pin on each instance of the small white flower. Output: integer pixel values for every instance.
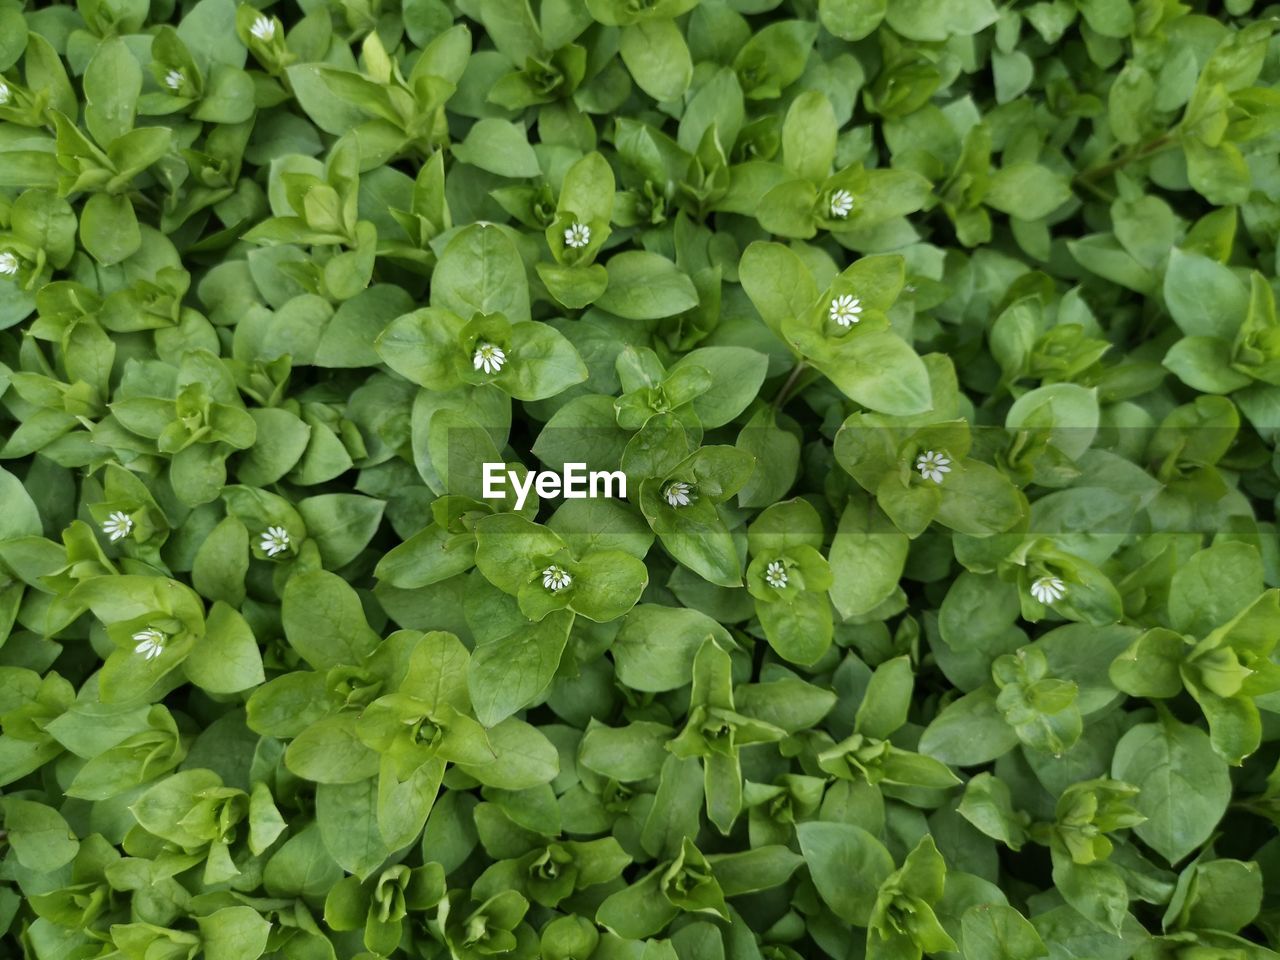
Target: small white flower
(846, 310)
(775, 576)
(488, 358)
(8, 264)
(933, 465)
(678, 494)
(841, 204)
(4, 93)
(174, 79)
(1048, 589)
(118, 526)
(149, 643)
(264, 29)
(577, 236)
(556, 578)
(274, 540)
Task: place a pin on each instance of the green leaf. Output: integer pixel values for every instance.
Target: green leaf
(324, 621)
(226, 659)
(500, 147)
(646, 286)
(109, 228)
(1000, 932)
(480, 271)
(658, 57)
(1204, 297)
(847, 865)
(1184, 785)
(234, 933)
(511, 672)
(112, 83)
(40, 837)
(1027, 191)
(655, 647)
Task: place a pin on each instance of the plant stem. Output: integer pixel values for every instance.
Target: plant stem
(791, 381)
(1162, 142)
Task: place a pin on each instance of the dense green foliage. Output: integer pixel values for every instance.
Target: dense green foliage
(936, 340)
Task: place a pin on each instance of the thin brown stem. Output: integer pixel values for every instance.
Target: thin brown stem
(790, 383)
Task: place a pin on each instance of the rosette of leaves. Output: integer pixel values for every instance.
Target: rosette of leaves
(1023, 703)
(667, 411)
(1217, 647)
(897, 906)
(683, 506)
(716, 732)
(154, 626)
(871, 765)
(536, 566)
(805, 195)
(189, 818)
(550, 873)
(901, 461)
(317, 206)
(528, 361)
(192, 414)
(842, 328)
(685, 884)
(789, 579)
(402, 112)
(577, 231)
(473, 930)
(380, 904)
(381, 721)
(1095, 883)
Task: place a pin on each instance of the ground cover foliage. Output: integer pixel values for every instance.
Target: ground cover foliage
(937, 342)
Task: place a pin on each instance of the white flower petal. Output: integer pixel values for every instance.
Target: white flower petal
(149, 642)
(274, 540)
(488, 358)
(556, 578)
(1048, 589)
(264, 29)
(841, 204)
(846, 310)
(678, 494)
(577, 236)
(117, 526)
(775, 575)
(933, 464)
